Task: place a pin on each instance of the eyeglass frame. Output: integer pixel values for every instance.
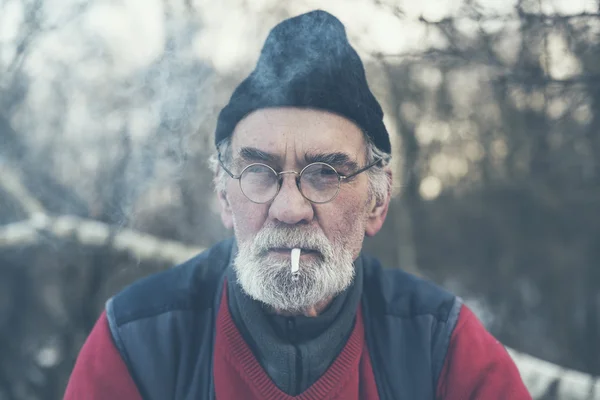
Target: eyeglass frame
(298, 176)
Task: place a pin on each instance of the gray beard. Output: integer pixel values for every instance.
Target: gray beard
(268, 278)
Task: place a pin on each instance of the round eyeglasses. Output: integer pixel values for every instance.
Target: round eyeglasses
(318, 182)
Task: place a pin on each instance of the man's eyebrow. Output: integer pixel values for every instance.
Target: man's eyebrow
(253, 154)
(336, 159)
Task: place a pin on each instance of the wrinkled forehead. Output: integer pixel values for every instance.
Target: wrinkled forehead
(285, 131)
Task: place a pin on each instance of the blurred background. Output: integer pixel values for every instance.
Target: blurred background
(107, 112)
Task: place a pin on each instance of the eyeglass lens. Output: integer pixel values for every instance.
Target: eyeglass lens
(319, 183)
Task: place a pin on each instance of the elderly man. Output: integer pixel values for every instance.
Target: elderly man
(291, 308)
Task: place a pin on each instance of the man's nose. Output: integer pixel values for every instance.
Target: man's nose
(289, 206)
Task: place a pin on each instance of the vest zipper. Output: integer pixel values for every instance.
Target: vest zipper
(291, 327)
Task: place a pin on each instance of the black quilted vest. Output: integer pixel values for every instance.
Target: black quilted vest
(164, 328)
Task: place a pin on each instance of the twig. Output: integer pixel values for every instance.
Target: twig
(11, 181)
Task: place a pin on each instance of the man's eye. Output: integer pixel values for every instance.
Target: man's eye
(327, 172)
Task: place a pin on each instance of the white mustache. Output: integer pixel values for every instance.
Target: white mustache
(271, 238)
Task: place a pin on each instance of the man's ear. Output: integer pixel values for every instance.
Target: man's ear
(226, 214)
(378, 209)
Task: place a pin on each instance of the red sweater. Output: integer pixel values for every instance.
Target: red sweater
(238, 375)
(477, 367)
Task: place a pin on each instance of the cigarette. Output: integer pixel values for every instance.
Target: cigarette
(295, 261)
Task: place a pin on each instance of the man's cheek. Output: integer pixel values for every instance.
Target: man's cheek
(248, 221)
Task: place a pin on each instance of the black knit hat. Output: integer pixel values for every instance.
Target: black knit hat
(308, 62)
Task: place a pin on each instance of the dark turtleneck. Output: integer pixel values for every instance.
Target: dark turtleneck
(295, 351)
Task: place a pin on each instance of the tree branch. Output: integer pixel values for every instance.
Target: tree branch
(10, 180)
(95, 234)
(522, 15)
(542, 376)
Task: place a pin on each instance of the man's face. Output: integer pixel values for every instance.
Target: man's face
(330, 234)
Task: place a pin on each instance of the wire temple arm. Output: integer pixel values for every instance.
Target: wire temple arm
(231, 174)
(377, 161)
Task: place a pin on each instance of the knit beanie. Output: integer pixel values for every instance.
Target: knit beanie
(307, 62)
